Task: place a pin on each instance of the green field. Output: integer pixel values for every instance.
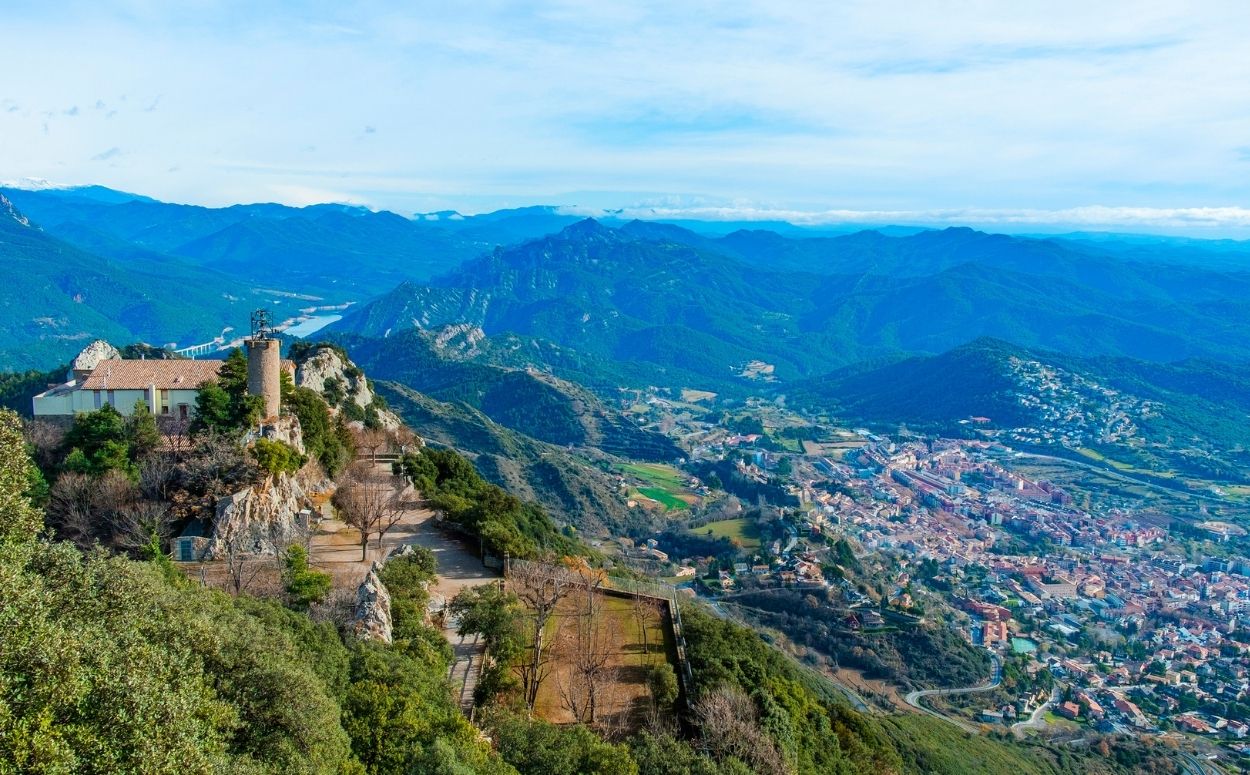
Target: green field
(662, 484)
(663, 497)
(656, 474)
(742, 532)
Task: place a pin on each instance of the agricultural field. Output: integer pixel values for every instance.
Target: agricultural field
(660, 486)
(692, 396)
(742, 532)
(629, 637)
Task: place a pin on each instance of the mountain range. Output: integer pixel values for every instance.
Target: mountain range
(1191, 416)
(686, 305)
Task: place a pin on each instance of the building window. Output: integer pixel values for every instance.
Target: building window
(112, 399)
(164, 402)
(95, 398)
(183, 411)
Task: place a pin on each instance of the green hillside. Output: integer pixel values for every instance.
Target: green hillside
(676, 301)
(570, 489)
(534, 403)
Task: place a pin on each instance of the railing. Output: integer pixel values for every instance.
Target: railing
(666, 593)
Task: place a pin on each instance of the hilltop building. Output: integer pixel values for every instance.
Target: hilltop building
(99, 375)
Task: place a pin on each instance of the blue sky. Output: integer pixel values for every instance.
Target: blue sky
(1024, 115)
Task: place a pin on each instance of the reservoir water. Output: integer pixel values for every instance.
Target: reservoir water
(312, 325)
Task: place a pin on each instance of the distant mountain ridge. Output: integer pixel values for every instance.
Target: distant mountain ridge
(1193, 414)
(666, 297)
(646, 301)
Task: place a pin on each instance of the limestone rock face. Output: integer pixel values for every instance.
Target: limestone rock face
(92, 354)
(459, 339)
(327, 367)
(372, 619)
(285, 429)
(262, 520)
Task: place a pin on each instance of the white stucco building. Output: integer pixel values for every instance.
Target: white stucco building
(169, 387)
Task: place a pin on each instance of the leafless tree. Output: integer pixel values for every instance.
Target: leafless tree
(730, 724)
(371, 440)
(589, 641)
(219, 466)
(83, 509)
(45, 439)
(540, 587)
(158, 476)
(370, 502)
(135, 525)
(646, 613)
(404, 439)
(70, 505)
(338, 608)
(244, 567)
(175, 433)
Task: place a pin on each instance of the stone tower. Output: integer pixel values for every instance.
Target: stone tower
(264, 365)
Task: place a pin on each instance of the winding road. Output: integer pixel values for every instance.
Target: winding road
(913, 698)
(1035, 719)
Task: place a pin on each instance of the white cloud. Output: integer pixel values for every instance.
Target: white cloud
(883, 107)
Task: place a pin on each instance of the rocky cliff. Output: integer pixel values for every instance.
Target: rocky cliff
(266, 518)
(329, 372)
(372, 619)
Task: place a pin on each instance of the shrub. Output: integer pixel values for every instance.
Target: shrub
(276, 457)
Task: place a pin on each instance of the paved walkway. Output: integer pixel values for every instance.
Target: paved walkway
(336, 548)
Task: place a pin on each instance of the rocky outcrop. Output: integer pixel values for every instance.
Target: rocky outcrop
(91, 355)
(340, 382)
(459, 340)
(372, 618)
(285, 429)
(264, 519)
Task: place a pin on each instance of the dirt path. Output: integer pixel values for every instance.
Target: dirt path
(336, 548)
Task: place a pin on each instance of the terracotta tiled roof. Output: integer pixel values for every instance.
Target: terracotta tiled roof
(114, 374)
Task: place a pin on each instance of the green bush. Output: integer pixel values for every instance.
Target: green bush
(304, 585)
(276, 457)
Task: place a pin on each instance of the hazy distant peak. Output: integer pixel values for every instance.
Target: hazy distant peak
(589, 228)
(9, 211)
(440, 215)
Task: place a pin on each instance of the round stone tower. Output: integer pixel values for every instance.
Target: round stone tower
(264, 365)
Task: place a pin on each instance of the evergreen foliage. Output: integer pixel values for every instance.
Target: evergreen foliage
(276, 457)
(224, 405)
(326, 439)
(504, 523)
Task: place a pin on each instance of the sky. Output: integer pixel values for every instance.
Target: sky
(1019, 115)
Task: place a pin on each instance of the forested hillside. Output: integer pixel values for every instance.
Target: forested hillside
(536, 404)
(679, 301)
(114, 665)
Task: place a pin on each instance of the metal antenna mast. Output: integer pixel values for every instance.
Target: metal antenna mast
(261, 324)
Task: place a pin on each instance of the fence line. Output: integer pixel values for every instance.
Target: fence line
(665, 593)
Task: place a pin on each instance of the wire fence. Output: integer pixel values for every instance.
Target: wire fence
(666, 593)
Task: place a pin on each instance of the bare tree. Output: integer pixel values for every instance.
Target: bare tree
(541, 587)
(220, 466)
(589, 642)
(158, 475)
(84, 509)
(370, 502)
(371, 440)
(730, 724)
(646, 613)
(243, 566)
(45, 439)
(136, 526)
(70, 505)
(175, 434)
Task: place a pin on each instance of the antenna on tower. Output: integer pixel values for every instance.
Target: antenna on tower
(261, 324)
